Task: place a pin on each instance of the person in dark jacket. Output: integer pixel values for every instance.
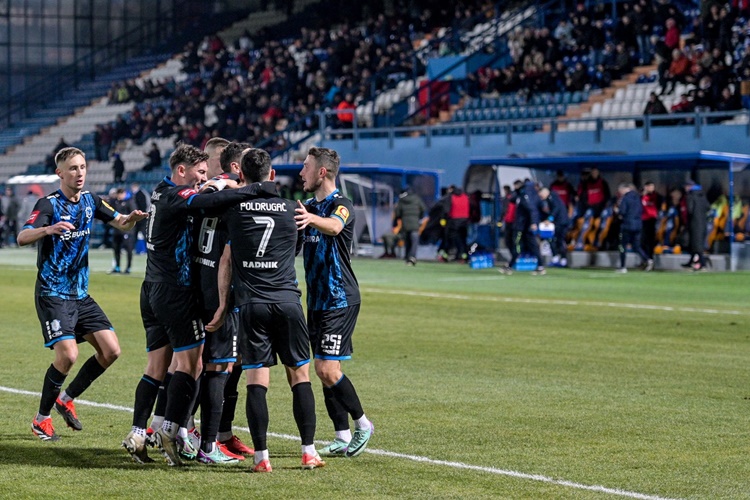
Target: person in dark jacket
(554, 209)
(629, 211)
(697, 208)
(118, 166)
(123, 203)
(410, 209)
(525, 227)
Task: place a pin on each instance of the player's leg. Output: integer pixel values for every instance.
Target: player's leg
(291, 343)
(333, 343)
(256, 408)
(211, 398)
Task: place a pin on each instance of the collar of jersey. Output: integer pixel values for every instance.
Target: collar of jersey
(169, 181)
(335, 191)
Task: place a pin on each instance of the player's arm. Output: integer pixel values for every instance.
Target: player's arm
(127, 222)
(214, 201)
(38, 224)
(224, 281)
(330, 226)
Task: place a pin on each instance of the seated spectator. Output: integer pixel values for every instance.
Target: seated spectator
(154, 158)
(678, 72)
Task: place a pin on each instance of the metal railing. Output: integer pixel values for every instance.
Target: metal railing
(551, 126)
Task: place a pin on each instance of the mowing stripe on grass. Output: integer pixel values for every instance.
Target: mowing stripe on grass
(413, 458)
(516, 300)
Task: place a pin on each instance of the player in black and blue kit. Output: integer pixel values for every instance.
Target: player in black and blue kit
(169, 303)
(264, 241)
(68, 315)
(332, 296)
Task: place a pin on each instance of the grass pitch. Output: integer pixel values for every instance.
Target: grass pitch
(578, 384)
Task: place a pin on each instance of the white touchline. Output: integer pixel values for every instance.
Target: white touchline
(413, 458)
(621, 305)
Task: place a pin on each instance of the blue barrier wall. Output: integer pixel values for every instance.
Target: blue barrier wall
(451, 153)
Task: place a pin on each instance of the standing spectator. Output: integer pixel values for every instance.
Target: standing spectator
(630, 211)
(10, 208)
(118, 166)
(557, 212)
(651, 202)
(345, 112)
(333, 297)
(672, 36)
(595, 193)
(562, 187)
(643, 28)
(123, 203)
(509, 218)
(410, 209)
(458, 224)
(525, 228)
(154, 158)
(143, 204)
(697, 209)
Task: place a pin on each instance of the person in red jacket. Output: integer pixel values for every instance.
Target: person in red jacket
(651, 201)
(562, 187)
(594, 193)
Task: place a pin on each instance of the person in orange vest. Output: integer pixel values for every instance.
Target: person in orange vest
(345, 116)
(594, 192)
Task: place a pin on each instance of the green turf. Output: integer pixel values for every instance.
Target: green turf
(633, 382)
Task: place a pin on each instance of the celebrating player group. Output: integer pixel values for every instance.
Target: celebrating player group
(220, 278)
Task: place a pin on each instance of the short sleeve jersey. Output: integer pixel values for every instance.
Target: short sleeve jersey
(331, 283)
(263, 237)
(209, 237)
(63, 261)
(170, 234)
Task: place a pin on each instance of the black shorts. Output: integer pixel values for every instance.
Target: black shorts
(331, 332)
(63, 319)
(221, 345)
(270, 330)
(171, 316)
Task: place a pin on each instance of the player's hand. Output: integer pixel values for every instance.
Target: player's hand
(135, 216)
(59, 228)
(303, 217)
(217, 321)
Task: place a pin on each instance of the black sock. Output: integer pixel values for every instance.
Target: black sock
(145, 395)
(230, 399)
(257, 415)
(90, 371)
(347, 396)
(179, 396)
(194, 403)
(336, 412)
(303, 405)
(212, 397)
(53, 381)
(161, 400)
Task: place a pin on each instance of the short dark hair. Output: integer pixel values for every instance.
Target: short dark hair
(256, 165)
(67, 153)
(232, 154)
(328, 158)
(187, 155)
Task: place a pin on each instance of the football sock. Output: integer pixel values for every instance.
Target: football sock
(212, 396)
(145, 396)
(139, 431)
(179, 397)
(230, 403)
(256, 408)
(362, 422)
(64, 397)
(53, 381)
(303, 405)
(161, 401)
(90, 371)
(309, 449)
(260, 455)
(345, 394)
(344, 435)
(170, 428)
(336, 411)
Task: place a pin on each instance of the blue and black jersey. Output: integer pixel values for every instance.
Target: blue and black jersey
(169, 238)
(331, 283)
(63, 261)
